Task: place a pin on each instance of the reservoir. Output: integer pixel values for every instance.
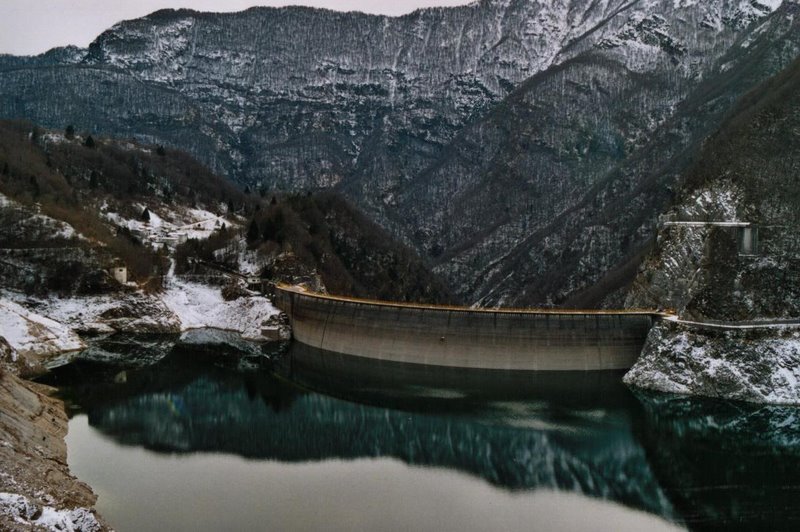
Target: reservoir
(183, 437)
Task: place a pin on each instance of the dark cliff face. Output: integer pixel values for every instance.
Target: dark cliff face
(706, 270)
(523, 147)
(574, 167)
(746, 172)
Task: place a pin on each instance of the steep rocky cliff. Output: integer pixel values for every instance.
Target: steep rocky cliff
(502, 139)
(729, 252)
(745, 174)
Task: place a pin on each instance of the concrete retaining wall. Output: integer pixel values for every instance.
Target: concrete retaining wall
(466, 338)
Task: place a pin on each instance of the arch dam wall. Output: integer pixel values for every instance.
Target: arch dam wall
(503, 339)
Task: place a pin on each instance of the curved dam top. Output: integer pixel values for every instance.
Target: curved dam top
(463, 337)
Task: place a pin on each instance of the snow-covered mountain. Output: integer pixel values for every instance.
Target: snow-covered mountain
(482, 135)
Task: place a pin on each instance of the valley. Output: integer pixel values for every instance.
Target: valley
(583, 158)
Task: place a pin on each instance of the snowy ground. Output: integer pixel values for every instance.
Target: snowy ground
(200, 306)
(51, 328)
(29, 515)
(170, 226)
(33, 335)
(44, 327)
(758, 365)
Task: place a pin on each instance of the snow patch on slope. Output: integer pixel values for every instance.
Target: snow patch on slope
(201, 306)
(29, 333)
(170, 226)
(27, 513)
(33, 223)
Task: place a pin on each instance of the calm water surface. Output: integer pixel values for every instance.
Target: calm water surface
(188, 438)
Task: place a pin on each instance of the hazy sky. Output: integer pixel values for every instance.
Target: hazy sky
(30, 27)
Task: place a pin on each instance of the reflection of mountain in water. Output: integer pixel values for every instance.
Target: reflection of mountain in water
(180, 406)
(715, 465)
(725, 465)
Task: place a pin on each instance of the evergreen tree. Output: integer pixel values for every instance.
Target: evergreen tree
(231, 206)
(70, 132)
(252, 231)
(275, 228)
(89, 142)
(161, 151)
(145, 215)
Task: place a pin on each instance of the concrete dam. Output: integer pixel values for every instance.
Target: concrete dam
(462, 337)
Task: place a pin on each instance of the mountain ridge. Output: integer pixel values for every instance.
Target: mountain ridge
(399, 115)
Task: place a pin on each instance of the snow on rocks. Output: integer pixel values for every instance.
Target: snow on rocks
(201, 306)
(133, 312)
(757, 365)
(720, 202)
(33, 335)
(181, 307)
(25, 512)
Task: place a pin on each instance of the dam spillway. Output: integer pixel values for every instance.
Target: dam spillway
(463, 337)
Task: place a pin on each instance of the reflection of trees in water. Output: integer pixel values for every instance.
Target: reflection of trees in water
(720, 465)
(725, 465)
(184, 406)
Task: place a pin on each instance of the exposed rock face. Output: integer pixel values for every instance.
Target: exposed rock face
(746, 173)
(501, 139)
(37, 490)
(749, 365)
(138, 313)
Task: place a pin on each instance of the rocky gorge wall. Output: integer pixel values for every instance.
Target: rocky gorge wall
(746, 174)
(756, 365)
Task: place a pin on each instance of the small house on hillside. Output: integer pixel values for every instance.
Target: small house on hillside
(119, 271)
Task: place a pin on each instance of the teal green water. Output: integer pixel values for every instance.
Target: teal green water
(187, 440)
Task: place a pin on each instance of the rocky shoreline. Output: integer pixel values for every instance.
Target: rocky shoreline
(760, 365)
(37, 490)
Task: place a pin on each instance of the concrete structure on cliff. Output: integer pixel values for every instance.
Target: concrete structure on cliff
(501, 339)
